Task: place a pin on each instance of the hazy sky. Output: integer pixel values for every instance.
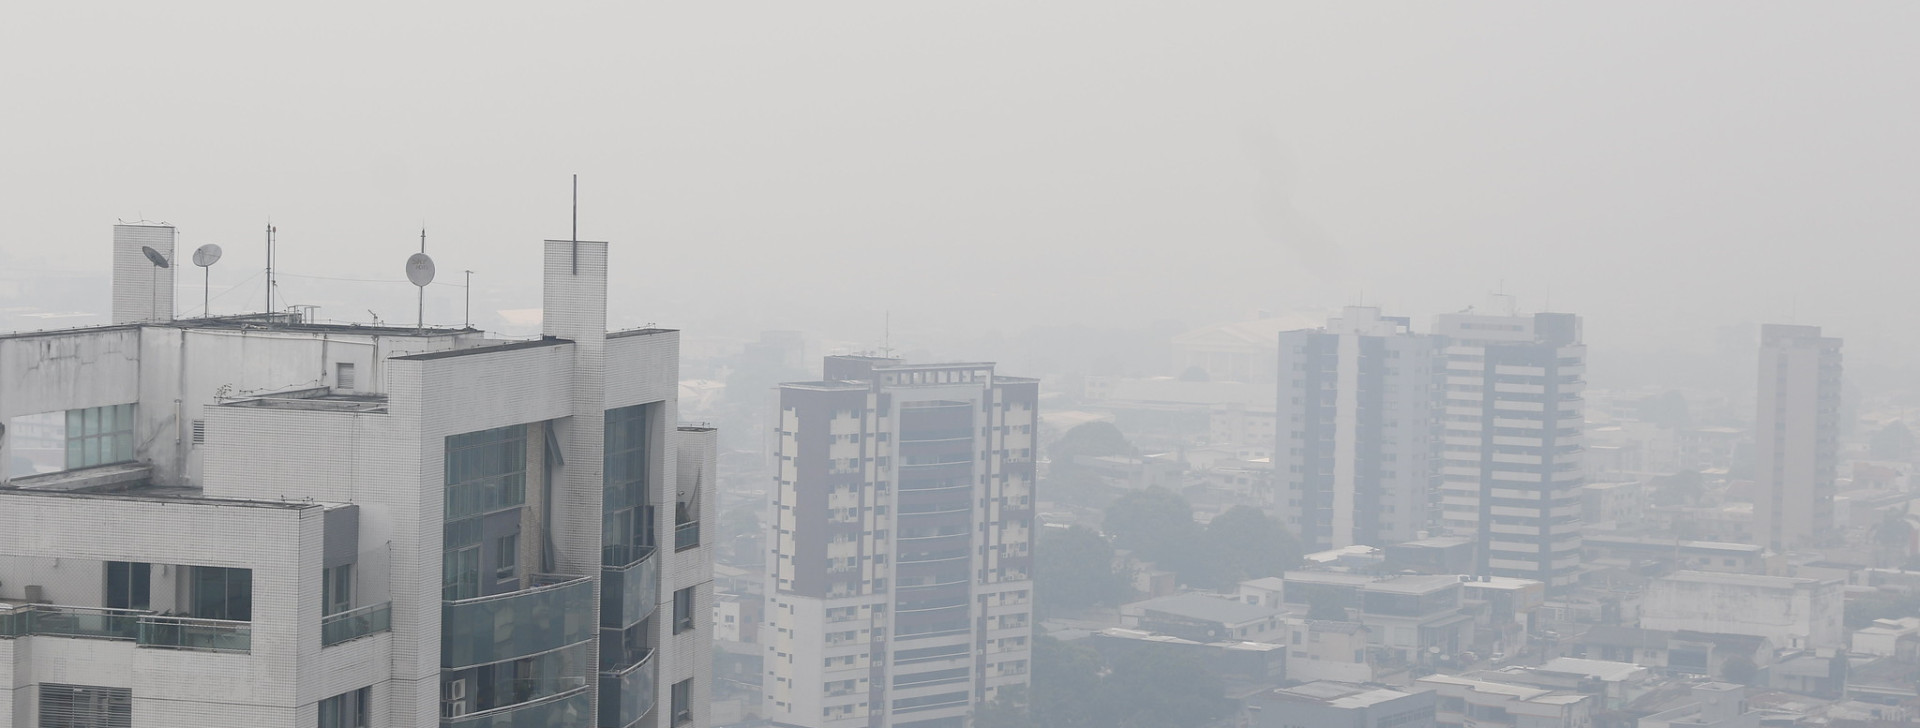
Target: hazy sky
(1660, 167)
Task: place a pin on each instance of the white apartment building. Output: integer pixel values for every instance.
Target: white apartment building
(1796, 437)
(900, 589)
(1356, 430)
(1461, 702)
(1511, 449)
(253, 510)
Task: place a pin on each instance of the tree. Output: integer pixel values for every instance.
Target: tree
(1148, 688)
(1684, 487)
(1739, 669)
(1157, 524)
(1090, 438)
(1073, 570)
(1066, 683)
(1253, 544)
(1893, 442)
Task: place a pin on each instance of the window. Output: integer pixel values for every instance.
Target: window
(85, 706)
(336, 589)
(460, 574)
(220, 593)
(343, 376)
(683, 702)
(506, 556)
(129, 585)
(486, 471)
(99, 436)
(347, 710)
(683, 610)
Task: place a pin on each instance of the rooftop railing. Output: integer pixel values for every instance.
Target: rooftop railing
(142, 627)
(356, 623)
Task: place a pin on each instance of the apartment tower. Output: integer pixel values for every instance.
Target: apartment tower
(1796, 434)
(900, 565)
(1356, 428)
(264, 520)
(1513, 421)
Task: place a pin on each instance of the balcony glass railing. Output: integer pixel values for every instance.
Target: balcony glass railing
(628, 695)
(91, 622)
(356, 623)
(686, 536)
(187, 633)
(483, 630)
(565, 710)
(629, 593)
(144, 628)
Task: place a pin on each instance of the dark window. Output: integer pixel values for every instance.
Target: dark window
(683, 702)
(460, 574)
(99, 435)
(129, 585)
(336, 589)
(506, 556)
(347, 710)
(683, 610)
(220, 593)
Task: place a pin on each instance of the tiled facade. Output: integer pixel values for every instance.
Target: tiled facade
(271, 457)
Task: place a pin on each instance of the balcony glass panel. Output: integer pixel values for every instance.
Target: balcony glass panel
(686, 536)
(567, 710)
(517, 624)
(627, 695)
(185, 633)
(356, 623)
(93, 622)
(629, 593)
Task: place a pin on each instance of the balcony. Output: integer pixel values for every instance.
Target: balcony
(566, 709)
(143, 628)
(630, 592)
(356, 623)
(554, 614)
(686, 536)
(628, 694)
(186, 633)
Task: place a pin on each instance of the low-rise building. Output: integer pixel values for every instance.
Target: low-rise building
(1324, 704)
(1711, 705)
(1326, 650)
(1885, 637)
(1722, 556)
(1793, 612)
(1462, 702)
(1204, 618)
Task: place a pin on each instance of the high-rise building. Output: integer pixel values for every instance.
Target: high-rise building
(242, 517)
(1796, 434)
(900, 590)
(1513, 419)
(1355, 430)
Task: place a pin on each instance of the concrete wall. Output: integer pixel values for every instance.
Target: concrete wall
(1791, 612)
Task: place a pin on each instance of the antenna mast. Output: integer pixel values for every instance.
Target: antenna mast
(270, 232)
(420, 309)
(469, 290)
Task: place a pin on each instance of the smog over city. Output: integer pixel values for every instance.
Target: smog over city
(984, 365)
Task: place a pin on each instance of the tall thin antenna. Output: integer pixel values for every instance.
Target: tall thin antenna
(469, 289)
(886, 335)
(420, 309)
(270, 234)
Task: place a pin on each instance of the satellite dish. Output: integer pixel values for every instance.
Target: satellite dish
(207, 255)
(155, 256)
(420, 269)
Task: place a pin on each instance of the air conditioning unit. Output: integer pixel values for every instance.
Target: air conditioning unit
(454, 690)
(453, 708)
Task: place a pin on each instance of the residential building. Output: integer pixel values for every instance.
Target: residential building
(1323, 704)
(1796, 437)
(1888, 637)
(1328, 650)
(1792, 612)
(1355, 429)
(1713, 705)
(1511, 449)
(1205, 618)
(1461, 702)
(900, 557)
(253, 511)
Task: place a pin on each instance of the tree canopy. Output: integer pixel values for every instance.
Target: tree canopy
(1157, 525)
(1090, 438)
(1073, 570)
(1893, 442)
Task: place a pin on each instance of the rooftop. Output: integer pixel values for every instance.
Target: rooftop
(1601, 669)
(1334, 694)
(1753, 580)
(1415, 584)
(1206, 608)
